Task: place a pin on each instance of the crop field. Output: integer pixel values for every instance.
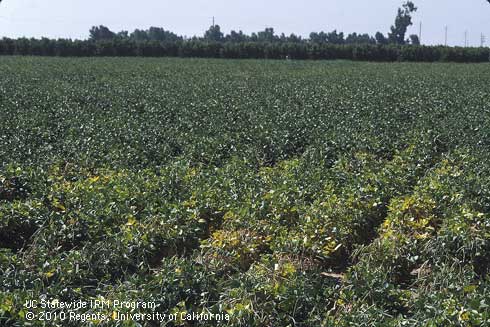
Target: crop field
(275, 193)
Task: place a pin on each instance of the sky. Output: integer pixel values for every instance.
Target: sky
(73, 18)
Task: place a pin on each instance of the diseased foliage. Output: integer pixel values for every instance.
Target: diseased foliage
(280, 193)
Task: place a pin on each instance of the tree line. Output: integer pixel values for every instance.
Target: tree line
(266, 44)
(214, 34)
(241, 50)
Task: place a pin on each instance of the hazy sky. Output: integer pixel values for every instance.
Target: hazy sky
(73, 18)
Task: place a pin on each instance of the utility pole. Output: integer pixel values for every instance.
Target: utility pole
(420, 33)
(465, 38)
(482, 40)
(213, 21)
(445, 36)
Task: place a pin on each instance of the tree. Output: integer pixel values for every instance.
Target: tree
(156, 34)
(414, 39)
(122, 35)
(139, 35)
(402, 21)
(293, 38)
(267, 35)
(236, 37)
(98, 33)
(331, 37)
(335, 38)
(380, 38)
(355, 38)
(214, 34)
(318, 37)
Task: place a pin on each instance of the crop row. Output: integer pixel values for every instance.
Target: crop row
(310, 194)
